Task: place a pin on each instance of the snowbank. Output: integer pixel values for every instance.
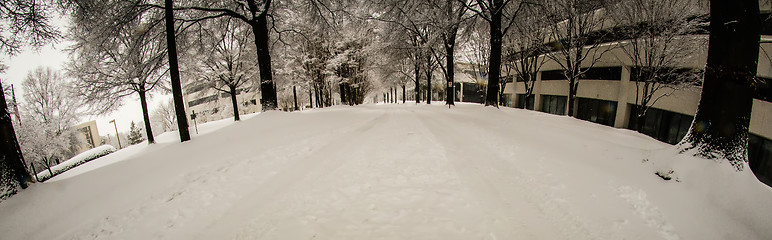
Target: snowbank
(75, 161)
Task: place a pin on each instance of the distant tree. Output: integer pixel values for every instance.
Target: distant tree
(135, 134)
(50, 110)
(165, 116)
(659, 41)
(576, 39)
(720, 127)
(449, 15)
(226, 56)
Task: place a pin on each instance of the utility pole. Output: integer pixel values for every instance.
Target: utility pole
(116, 133)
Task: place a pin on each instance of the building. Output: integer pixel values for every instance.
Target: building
(88, 136)
(607, 95)
(210, 104)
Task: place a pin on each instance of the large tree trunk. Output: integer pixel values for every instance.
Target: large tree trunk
(429, 79)
(720, 126)
(174, 73)
(310, 98)
(146, 115)
(12, 167)
(267, 89)
(235, 103)
(494, 62)
(450, 68)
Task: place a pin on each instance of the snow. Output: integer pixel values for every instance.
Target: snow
(75, 161)
(393, 171)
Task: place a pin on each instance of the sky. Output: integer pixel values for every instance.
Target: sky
(54, 55)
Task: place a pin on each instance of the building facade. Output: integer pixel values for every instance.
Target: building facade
(608, 94)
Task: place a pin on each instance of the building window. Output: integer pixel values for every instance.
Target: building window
(552, 75)
(602, 73)
(521, 101)
(89, 137)
(506, 99)
(666, 126)
(597, 111)
(553, 104)
(202, 100)
(760, 158)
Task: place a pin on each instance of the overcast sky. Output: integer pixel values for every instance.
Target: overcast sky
(54, 56)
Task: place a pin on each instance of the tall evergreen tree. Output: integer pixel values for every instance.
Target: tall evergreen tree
(135, 134)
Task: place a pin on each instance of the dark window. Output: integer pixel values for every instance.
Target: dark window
(760, 157)
(553, 104)
(666, 75)
(763, 89)
(597, 111)
(602, 73)
(552, 75)
(506, 99)
(666, 126)
(202, 100)
(521, 101)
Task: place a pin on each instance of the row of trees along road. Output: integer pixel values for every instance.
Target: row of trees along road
(352, 47)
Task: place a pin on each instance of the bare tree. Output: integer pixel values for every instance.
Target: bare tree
(26, 22)
(576, 31)
(130, 61)
(165, 116)
(225, 53)
(524, 49)
(22, 22)
(500, 16)
(658, 43)
(50, 109)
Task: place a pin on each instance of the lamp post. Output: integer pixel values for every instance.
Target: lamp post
(116, 133)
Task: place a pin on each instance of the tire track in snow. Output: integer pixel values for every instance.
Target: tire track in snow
(306, 169)
(489, 175)
(207, 189)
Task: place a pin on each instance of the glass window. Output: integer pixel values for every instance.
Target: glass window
(554, 104)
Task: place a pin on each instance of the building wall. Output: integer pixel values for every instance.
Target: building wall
(683, 101)
(88, 134)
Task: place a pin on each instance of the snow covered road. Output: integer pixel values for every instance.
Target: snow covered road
(392, 172)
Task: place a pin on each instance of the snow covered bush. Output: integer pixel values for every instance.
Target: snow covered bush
(75, 161)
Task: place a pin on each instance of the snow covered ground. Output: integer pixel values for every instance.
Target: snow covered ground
(396, 172)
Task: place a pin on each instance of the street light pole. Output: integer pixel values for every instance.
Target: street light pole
(116, 133)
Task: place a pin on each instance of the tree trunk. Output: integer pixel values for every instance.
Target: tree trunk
(720, 126)
(145, 115)
(310, 98)
(12, 165)
(417, 83)
(295, 96)
(342, 88)
(494, 62)
(429, 79)
(403, 94)
(235, 103)
(267, 89)
(450, 68)
(174, 73)
(572, 85)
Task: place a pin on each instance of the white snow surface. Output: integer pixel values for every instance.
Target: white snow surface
(396, 172)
